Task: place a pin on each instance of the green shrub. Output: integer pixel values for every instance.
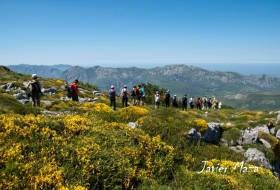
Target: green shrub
(232, 134)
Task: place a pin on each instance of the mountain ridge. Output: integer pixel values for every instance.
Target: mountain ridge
(180, 79)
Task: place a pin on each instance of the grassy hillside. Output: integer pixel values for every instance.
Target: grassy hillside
(91, 146)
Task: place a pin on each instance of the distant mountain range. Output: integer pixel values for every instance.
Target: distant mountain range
(180, 79)
(45, 71)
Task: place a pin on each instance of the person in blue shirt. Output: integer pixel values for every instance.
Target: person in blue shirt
(143, 96)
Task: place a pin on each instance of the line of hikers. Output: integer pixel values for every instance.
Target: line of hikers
(201, 104)
(138, 97)
(137, 94)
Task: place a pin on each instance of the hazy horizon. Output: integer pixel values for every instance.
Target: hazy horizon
(271, 69)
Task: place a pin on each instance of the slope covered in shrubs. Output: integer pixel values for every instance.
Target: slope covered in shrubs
(90, 146)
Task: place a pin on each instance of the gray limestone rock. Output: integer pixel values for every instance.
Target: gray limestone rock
(254, 155)
(278, 134)
(265, 143)
(250, 136)
(193, 135)
(212, 134)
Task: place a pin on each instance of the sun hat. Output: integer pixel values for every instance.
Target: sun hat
(112, 86)
(34, 76)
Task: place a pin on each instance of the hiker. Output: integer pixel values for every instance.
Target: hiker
(143, 96)
(74, 90)
(184, 102)
(138, 95)
(220, 105)
(112, 96)
(198, 103)
(167, 98)
(192, 102)
(133, 95)
(175, 101)
(124, 96)
(204, 103)
(214, 104)
(209, 103)
(157, 100)
(35, 90)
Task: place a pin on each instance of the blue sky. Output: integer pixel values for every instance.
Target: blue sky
(141, 33)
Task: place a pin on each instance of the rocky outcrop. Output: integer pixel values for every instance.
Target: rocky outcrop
(278, 134)
(254, 155)
(249, 136)
(211, 135)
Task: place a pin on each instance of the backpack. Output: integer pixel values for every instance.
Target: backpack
(138, 92)
(112, 94)
(69, 91)
(132, 93)
(124, 93)
(197, 102)
(184, 100)
(157, 98)
(36, 87)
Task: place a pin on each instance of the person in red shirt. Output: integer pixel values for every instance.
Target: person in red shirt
(74, 90)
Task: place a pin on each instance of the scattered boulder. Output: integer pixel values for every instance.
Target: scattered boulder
(193, 135)
(4, 86)
(265, 143)
(24, 101)
(51, 112)
(132, 125)
(10, 85)
(19, 96)
(278, 134)
(212, 134)
(237, 148)
(250, 136)
(254, 155)
(263, 129)
(96, 92)
(49, 90)
(225, 142)
(46, 102)
(82, 90)
(277, 118)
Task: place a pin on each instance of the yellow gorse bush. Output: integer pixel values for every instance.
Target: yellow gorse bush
(132, 112)
(98, 107)
(200, 124)
(75, 152)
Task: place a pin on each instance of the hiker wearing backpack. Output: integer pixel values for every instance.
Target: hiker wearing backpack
(192, 102)
(124, 96)
(143, 96)
(198, 103)
(184, 102)
(112, 97)
(205, 103)
(175, 101)
(138, 95)
(133, 95)
(167, 98)
(36, 93)
(74, 90)
(157, 100)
